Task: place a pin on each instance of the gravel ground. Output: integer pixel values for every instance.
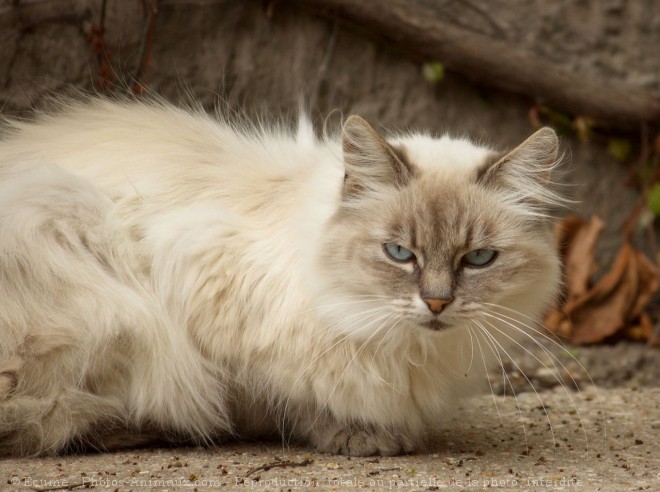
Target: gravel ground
(599, 439)
(548, 364)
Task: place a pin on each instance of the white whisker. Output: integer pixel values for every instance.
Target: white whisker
(467, 372)
(493, 346)
(563, 385)
(554, 357)
(545, 410)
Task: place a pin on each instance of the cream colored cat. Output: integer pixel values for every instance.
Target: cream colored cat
(163, 272)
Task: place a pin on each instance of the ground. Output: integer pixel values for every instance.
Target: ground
(549, 437)
(601, 439)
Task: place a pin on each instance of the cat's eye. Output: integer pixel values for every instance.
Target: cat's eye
(479, 258)
(398, 253)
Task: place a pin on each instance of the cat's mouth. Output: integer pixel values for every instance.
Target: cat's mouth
(435, 325)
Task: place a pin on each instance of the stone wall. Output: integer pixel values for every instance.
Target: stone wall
(263, 57)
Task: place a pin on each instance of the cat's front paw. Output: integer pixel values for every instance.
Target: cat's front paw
(361, 443)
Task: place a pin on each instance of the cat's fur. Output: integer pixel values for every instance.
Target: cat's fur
(163, 271)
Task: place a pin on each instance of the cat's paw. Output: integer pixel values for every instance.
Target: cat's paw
(362, 443)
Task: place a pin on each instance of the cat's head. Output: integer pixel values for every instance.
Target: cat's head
(437, 232)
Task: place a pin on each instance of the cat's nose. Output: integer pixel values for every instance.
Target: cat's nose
(436, 305)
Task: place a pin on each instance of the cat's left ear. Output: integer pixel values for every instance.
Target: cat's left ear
(525, 172)
(369, 160)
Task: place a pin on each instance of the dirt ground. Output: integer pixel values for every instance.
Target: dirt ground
(546, 437)
(600, 439)
(621, 365)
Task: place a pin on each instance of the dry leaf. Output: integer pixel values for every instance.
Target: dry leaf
(643, 331)
(612, 306)
(577, 243)
(604, 309)
(557, 323)
(649, 281)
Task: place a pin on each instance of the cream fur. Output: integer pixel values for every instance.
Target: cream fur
(164, 271)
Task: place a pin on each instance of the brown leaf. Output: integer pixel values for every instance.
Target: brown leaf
(612, 306)
(654, 339)
(557, 323)
(604, 309)
(649, 281)
(641, 331)
(577, 242)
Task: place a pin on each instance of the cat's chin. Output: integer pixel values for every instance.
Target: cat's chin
(435, 325)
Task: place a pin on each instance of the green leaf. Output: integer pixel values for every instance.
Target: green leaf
(433, 71)
(653, 199)
(619, 148)
(572, 352)
(558, 119)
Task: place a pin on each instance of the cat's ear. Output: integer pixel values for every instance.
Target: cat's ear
(525, 172)
(370, 162)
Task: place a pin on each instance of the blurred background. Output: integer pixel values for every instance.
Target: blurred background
(491, 70)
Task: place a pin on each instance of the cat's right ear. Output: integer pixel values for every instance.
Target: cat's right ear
(370, 162)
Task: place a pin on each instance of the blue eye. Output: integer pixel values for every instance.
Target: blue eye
(398, 253)
(479, 257)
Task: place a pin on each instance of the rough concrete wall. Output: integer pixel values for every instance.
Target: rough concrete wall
(601, 38)
(262, 57)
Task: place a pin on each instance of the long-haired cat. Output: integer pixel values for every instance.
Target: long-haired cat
(163, 271)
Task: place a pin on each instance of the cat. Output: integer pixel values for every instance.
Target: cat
(167, 272)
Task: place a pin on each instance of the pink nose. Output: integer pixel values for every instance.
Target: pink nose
(436, 305)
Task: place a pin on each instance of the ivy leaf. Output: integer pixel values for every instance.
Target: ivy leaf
(433, 71)
(653, 199)
(619, 148)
